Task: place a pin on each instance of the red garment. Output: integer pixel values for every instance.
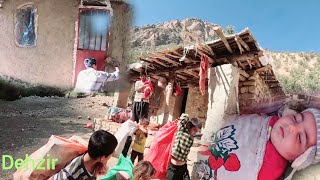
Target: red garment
(204, 65)
(274, 164)
(148, 90)
(178, 90)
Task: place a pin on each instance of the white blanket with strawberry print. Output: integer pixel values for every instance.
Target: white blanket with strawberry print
(236, 151)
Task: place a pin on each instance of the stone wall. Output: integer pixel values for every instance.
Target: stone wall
(255, 96)
(197, 105)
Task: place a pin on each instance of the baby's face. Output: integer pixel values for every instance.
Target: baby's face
(293, 134)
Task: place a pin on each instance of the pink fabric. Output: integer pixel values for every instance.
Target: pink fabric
(274, 164)
(204, 66)
(148, 90)
(59, 148)
(159, 154)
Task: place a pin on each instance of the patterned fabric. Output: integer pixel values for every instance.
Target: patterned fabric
(91, 80)
(183, 140)
(236, 151)
(75, 170)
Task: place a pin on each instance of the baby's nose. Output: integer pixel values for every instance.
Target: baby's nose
(293, 128)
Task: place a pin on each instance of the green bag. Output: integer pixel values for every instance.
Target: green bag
(124, 164)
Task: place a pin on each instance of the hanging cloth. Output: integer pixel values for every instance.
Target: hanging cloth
(177, 89)
(203, 73)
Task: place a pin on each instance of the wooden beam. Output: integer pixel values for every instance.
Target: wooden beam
(173, 56)
(241, 65)
(249, 62)
(191, 73)
(151, 63)
(164, 58)
(265, 68)
(173, 69)
(182, 77)
(157, 61)
(245, 45)
(257, 62)
(218, 31)
(202, 53)
(239, 45)
(189, 76)
(243, 73)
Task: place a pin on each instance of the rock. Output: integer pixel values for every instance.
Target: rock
(22, 130)
(104, 104)
(89, 118)
(79, 117)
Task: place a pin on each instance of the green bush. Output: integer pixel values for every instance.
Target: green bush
(10, 91)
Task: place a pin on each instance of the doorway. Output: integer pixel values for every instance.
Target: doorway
(93, 37)
(184, 100)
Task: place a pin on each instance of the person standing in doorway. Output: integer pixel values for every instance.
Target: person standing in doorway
(141, 99)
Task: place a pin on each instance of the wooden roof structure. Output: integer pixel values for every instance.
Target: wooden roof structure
(182, 63)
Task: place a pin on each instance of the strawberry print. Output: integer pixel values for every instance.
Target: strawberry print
(215, 163)
(232, 163)
(219, 152)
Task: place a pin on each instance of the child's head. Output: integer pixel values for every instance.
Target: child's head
(101, 146)
(194, 125)
(294, 134)
(142, 131)
(143, 76)
(143, 171)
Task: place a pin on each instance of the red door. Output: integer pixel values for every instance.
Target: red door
(93, 36)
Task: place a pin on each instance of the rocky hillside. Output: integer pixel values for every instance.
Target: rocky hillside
(299, 73)
(170, 34)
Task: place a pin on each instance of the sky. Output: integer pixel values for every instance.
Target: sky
(278, 25)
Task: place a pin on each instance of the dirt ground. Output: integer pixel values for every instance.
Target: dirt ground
(27, 124)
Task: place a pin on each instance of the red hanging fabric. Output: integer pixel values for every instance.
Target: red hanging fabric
(148, 90)
(204, 66)
(178, 90)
